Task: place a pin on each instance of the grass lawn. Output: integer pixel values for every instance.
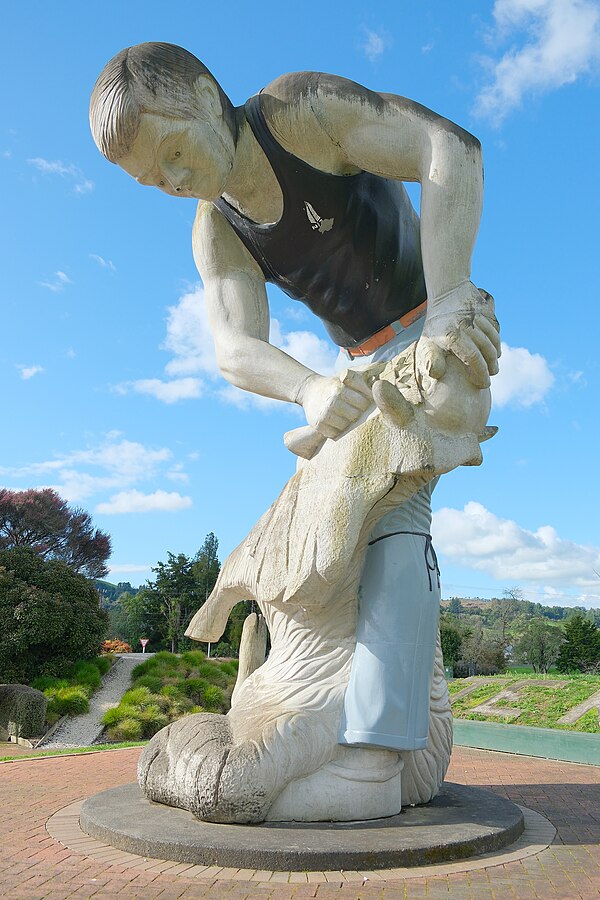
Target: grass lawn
(10, 752)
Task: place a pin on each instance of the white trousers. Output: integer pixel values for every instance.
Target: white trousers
(387, 699)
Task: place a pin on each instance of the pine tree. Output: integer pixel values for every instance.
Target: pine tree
(581, 649)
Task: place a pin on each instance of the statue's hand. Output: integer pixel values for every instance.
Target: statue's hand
(332, 403)
(461, 322)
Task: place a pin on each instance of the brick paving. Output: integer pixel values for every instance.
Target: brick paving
(34, 865)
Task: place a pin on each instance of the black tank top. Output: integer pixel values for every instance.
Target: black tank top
(347, 246)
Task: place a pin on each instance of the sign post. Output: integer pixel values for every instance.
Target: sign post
(143, 642)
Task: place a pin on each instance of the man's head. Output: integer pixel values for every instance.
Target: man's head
(151, 93)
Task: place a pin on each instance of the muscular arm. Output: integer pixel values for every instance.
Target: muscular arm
(238, 312)
(326, 117)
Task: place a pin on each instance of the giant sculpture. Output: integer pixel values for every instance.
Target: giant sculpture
(348, 717)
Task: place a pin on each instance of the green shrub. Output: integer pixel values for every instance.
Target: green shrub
(194, 688)
(194, 710)
(214, 698)
(87, 675)
(193, 658)
(213, 673)
(22, 710)
(172, 691)
(152, 682)
(152, 719)
(137, 696)
(230, 667)
(178, 707)
(70, 701)
(148, 667)
(166, 657)
(47, 682)
(112, 716)
(103, 664)
(126, 730)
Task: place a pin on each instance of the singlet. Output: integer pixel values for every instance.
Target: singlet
(348, 246)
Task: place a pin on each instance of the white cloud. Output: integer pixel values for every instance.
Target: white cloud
(557, 41)
(374, 43)
(136, 502)
(58, 283)
(476, 538)
(169, 391)
(524, 378)
(104, 263)
(28, 372)
(82, 185)
(305, 346)
(189, 337)
(189, 340)
(116, 463)
(130, 567)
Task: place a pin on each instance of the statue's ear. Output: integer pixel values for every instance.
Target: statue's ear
(207, 95)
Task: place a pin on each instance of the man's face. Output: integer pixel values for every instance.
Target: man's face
(184, 158)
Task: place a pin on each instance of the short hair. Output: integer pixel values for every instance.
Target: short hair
(140, 80)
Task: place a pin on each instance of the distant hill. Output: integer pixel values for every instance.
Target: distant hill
(488, 608)
(110, 593)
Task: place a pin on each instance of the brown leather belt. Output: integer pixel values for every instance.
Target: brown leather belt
(380, 338)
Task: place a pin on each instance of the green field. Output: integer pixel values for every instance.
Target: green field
(540, 705)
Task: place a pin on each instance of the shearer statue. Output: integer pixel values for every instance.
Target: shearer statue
(302, 187)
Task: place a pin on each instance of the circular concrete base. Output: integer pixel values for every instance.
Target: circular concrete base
(459, 823)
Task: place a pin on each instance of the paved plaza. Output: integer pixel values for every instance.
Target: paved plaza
(33, 864)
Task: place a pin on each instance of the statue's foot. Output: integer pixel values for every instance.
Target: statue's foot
(357, 784)
(193, 764)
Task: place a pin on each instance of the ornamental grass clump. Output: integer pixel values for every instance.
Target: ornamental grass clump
(68, 701)
(166, 687)
(69, 695)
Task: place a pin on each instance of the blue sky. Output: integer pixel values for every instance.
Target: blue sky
(109, 388)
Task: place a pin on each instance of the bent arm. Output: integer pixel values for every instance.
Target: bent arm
(238, 313)
(398, 138)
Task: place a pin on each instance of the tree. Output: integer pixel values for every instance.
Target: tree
(455, 606)
(206, 565)
(480, 656)
(451, 640)
(539, 644)
(44, 522)
(50, 616)
(181, 586)
(137, 615)
(506, 611)
(581, 649)
(162, 609)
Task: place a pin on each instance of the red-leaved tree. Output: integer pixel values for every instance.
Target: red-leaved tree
(45, 522)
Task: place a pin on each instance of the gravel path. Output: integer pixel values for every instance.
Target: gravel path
(83, 730)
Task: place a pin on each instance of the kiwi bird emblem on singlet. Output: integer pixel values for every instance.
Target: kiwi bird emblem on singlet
(316, 222)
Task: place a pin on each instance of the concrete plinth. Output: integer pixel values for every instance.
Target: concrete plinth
(459, 823)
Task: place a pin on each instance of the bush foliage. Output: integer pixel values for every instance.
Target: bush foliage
(51, 617)
(22, 710)
(116, 646)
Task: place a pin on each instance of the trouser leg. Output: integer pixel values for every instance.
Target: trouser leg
(387, 699)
